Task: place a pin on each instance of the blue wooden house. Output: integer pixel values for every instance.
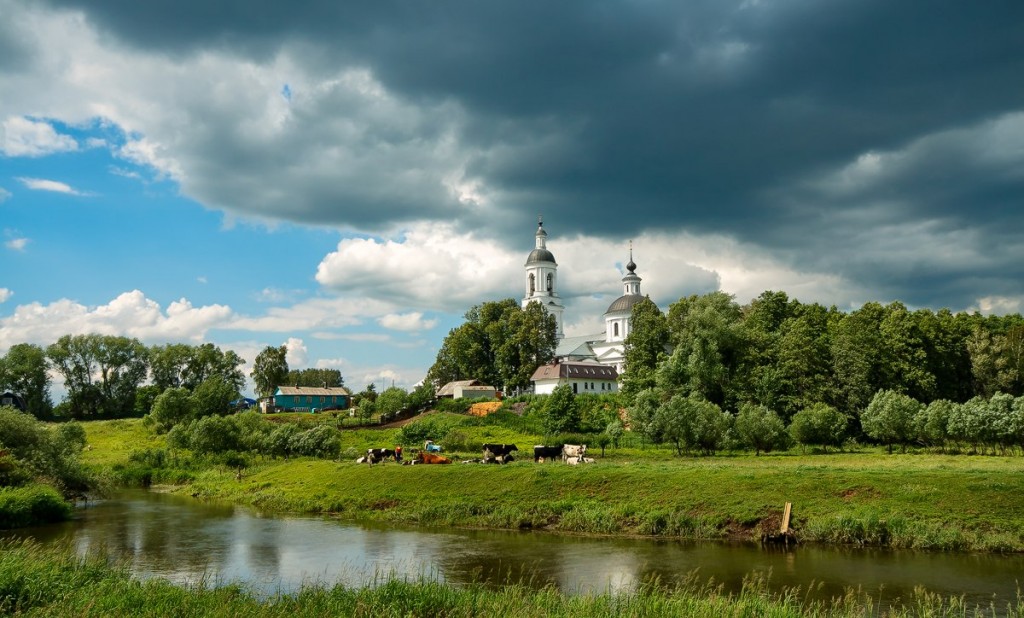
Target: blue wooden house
(310, 399)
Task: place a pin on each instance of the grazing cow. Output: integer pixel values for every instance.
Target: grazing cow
(499, 453)
(375, 455)
(424, 457)
(546, 453)
(573, 451)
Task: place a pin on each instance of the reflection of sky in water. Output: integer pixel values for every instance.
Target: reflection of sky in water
(189, 542)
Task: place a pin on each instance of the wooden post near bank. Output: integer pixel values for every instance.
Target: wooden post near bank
(784, 536)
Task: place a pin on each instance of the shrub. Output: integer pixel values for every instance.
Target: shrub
(761, 429)
(819, 425)
(31, 505)
(320, 441)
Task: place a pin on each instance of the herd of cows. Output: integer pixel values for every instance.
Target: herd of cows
(571, 454)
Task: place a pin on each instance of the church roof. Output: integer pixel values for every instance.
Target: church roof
(624, 303)
(577, 347)
(540, 255)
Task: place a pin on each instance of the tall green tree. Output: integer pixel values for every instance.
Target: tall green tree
(270, 370)
(101, 372)
(499, 344)
(23, 370)
(179, 364)
(561, 411)
(646, 345)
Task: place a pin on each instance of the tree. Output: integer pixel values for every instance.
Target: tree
(819, 425)
(761, 429)
(179, 364)
(318, 377)
(212, 396)
(392, 401)
(561, 411)
(119, 363)
(270, 370)
(500, 344)
(171, 407)
(645, 346)
(23, 370)
(932, 422)
(709, 344)
(890, 418)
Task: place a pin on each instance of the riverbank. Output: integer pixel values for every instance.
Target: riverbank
(54, 581)
(866, 499)
(922, 501)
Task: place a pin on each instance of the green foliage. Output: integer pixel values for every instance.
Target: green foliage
(761, 429)
(434, 427)
(645, 346)
(499, 344)
(170, 408)
(270, 370)
(561, 411)
(454, 406)
(214, 434)
(319, 441)
(145, 397)
(31, 506)
(819, 425)
(392, 401)
(212, 396)
(101, 373)
(23, 370)
(890, 418)
(317, 377)
(181, 365)
(34, 450)
(932, 422)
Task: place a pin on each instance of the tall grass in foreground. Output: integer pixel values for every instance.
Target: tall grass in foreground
(38, 581)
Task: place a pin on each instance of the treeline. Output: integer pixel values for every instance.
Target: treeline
(108, 376)
(787, 355)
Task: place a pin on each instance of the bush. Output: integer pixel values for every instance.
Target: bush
(454, 406)
(760, 429)
(819, 425)
(320, 441)
(31, 505)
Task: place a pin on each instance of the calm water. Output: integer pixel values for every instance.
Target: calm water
(186, 542)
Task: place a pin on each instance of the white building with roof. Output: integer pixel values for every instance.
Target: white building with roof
(585, 377)
(606, 348)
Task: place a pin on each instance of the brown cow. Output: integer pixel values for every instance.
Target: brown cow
(431, 458)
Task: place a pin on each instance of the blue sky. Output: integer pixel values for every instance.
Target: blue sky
(348, 180)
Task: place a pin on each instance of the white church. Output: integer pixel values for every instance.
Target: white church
(591, 363)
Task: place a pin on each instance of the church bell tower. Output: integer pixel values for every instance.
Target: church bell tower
(542, 279)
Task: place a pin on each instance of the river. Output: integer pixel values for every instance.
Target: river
(188, 542)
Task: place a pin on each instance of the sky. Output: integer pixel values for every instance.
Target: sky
(347, 179)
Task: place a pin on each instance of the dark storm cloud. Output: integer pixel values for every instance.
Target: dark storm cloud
(716, 116)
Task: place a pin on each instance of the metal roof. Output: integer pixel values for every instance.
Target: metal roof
(310, 390)
(569, 369)
(624, 303)
(540, 255)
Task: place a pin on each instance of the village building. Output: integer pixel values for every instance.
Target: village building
(307, 399)
(13, 400)
(467, 389)
(587, 376)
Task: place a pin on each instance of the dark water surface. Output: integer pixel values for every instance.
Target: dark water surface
(187, 541)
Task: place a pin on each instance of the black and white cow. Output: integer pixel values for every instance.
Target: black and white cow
(499, 453)
(378, 455)
(546, 453)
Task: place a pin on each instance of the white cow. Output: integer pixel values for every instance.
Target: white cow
(572, 452)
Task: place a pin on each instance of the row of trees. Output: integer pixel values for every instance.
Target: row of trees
(787, 356)
(109, 376)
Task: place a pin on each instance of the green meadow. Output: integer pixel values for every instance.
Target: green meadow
(862, 496)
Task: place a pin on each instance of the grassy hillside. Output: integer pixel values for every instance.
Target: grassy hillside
(867, 497)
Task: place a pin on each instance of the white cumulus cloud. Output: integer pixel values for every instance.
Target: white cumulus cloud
(298, 353)
(131, 314)
(408, 321)
(5, 294)
(24, 137)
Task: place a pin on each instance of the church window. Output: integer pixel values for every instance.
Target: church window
(533, 283)
(551, 280)
(615, 327)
